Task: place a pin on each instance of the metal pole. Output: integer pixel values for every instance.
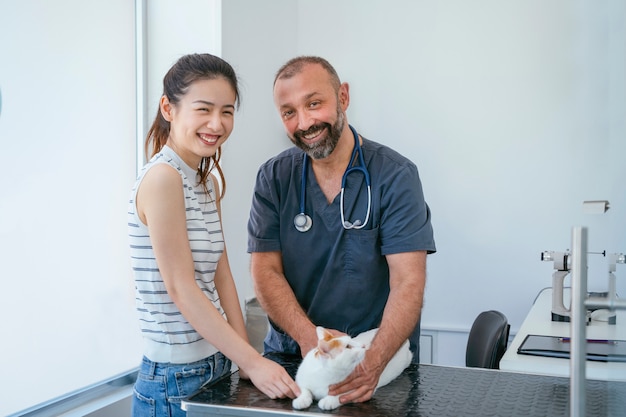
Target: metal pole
(605, 302)
(578, 352)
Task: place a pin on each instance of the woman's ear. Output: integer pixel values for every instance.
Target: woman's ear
(166, 108)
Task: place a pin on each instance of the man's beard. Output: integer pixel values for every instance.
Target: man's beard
(324, 147)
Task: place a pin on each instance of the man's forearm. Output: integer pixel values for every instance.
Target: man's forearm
(279, 302)
(404, 305)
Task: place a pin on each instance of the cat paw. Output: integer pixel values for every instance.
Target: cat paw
(328, 403)
(303, 401)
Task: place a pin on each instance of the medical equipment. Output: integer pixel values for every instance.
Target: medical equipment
(562, 266)
(303, 222)
(581, 303)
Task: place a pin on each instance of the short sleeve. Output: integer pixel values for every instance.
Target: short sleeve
(264, 222)
(405, 223)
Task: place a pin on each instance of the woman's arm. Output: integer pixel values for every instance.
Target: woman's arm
(226, 288)
(160, 204)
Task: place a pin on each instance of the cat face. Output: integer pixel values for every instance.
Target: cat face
(341, 351)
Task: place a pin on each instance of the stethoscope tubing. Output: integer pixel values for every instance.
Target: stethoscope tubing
(303, 222)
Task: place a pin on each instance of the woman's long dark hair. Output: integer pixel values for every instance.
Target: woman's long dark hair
(187, 70)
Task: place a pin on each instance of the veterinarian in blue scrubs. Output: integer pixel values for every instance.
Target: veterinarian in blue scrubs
(338, 230)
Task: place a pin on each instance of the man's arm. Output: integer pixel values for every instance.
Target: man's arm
(407, 279)
(278, 300)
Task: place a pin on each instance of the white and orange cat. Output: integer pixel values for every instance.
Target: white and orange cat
(333, 360)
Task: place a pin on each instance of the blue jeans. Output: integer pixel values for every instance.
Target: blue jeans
(160, 387)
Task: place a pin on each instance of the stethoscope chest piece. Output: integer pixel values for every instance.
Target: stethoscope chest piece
(302, 222)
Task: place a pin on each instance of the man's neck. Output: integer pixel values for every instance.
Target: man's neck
(329, 171)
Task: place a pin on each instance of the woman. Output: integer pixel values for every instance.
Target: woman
(188, 306)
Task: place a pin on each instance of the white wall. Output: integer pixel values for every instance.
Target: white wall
(67, 136)
(513, 112)
(174, 29)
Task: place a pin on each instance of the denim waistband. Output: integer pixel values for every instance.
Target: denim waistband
(151, 368)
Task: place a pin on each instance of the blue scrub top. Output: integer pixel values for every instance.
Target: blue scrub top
(340, 277)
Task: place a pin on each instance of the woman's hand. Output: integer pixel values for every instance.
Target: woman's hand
(271, 379)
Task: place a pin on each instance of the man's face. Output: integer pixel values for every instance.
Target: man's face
(310, 110)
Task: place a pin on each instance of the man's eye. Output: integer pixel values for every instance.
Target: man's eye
(287, 114)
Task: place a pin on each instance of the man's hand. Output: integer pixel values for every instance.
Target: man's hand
(360, 385)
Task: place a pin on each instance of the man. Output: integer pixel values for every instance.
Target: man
(346, 260)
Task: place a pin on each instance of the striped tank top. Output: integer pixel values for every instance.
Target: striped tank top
(167, 335)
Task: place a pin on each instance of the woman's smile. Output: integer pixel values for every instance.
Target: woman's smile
(209, 139)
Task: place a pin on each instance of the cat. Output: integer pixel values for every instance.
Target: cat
(333, 360)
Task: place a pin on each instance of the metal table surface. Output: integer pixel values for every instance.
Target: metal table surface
(426, 390)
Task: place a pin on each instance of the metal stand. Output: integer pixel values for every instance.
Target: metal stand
(580, 303)
(561, 262)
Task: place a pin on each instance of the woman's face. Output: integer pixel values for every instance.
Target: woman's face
(202, 120)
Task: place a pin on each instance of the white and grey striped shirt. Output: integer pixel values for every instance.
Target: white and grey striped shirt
(168, 336)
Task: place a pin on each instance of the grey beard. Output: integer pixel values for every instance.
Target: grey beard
(327, 146)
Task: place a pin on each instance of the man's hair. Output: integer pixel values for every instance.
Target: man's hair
(295, 65)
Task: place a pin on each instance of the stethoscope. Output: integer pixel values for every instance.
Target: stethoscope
(303, 221)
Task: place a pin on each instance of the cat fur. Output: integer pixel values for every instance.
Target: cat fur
(333, 360)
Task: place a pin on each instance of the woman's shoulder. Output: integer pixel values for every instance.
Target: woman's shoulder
(162, 165)
(162, 177)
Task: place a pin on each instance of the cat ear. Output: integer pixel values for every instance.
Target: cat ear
(323, 334)
(324, 347)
